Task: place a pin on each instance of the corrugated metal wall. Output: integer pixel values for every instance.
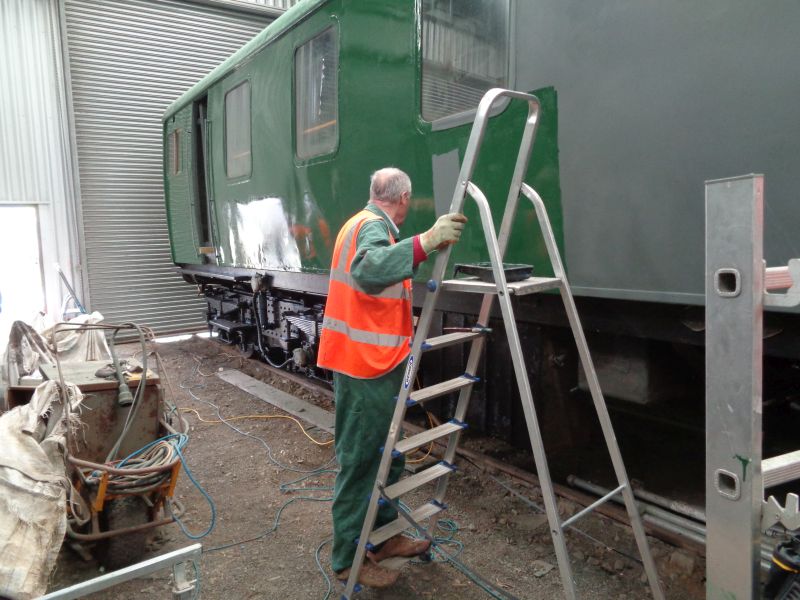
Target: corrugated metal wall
(31, 156)
(284, 4)
(128, 60)
(35, 166)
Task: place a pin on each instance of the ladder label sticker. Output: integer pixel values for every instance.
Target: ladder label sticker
(409, 368)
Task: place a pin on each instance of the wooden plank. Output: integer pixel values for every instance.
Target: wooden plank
(83, 375)
(294, 406)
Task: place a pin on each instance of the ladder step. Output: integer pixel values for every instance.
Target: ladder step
(449, 339)
(399, 525)
(531, 285)
(780, 469)
(418, 480)
(415, 441)
(440, 389)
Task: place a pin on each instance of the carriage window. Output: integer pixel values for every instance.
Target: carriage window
(464, 53)
(175, 152)
(237, 131)
(316, 96)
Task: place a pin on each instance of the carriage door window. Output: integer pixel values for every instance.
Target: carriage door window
(237, 131)
(464, 53)
(316, 96)
(175, 152)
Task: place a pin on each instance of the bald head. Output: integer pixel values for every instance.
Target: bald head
(388, 185)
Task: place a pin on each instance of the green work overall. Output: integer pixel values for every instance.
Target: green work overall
(364, 407)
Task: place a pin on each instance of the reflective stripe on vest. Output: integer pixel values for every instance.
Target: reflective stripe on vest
(363, 335)
(398, 290)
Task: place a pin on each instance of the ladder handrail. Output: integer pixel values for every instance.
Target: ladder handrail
(482, 116)
(547, 231)
(472, 151)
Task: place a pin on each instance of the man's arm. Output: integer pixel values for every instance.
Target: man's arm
(378, 263)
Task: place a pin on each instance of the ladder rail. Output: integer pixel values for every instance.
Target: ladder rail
(526, 396)
(467, 168)
(596, 392)
(393, 435)
(472, 152)
(412, 365)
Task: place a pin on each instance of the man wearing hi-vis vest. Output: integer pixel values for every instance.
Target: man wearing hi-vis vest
(365, 341)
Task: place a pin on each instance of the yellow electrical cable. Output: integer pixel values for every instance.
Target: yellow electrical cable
(783, 566)
(240, 417)
(299, 424)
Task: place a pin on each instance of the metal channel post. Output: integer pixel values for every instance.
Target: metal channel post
(734, 324)
(185, 585)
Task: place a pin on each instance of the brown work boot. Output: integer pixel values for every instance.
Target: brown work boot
(371, 575)
(400, 545)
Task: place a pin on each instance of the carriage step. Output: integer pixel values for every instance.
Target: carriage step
(780, 469)
(451, 339)
(399, 525)
(415, 441)
(230, 326)
(440, 389)
(531, 285)
(414, 481)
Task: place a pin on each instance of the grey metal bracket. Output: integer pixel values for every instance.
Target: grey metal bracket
(787, 515)
(186, 583)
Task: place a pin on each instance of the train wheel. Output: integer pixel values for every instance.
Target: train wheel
(124, 550)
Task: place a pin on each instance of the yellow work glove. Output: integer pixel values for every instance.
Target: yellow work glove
(447, 230)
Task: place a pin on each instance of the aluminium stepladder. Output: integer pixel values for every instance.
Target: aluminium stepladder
(440, 472)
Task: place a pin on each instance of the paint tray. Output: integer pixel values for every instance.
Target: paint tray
(483, 271)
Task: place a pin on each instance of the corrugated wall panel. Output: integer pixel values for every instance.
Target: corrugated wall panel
(129, 59)
(31, 149)
(284, 4)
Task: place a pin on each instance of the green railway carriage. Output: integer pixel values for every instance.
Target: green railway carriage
(270, 154)
(267, 156)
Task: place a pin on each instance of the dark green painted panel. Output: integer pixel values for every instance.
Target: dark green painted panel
(286, 214)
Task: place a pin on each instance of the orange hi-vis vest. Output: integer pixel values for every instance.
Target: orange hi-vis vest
(363, 335)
